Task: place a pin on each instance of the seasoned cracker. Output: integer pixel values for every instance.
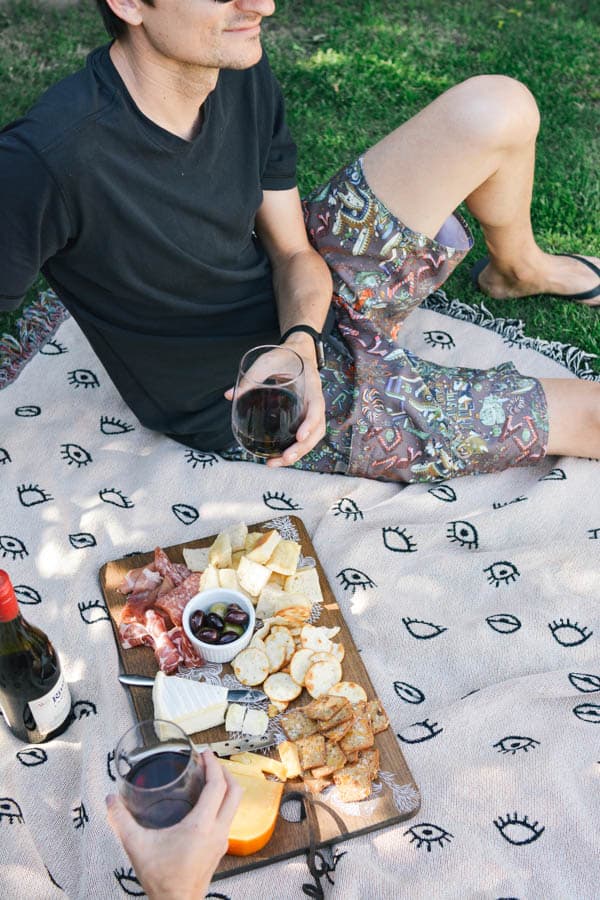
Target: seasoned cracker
(344, 713)
(296, 725)
(353, 783)
(339, 731)
(311, 751)
(334, 759)
(379, 720)
(324, 708)
(317, 785)
(360, 736)
(370, 759)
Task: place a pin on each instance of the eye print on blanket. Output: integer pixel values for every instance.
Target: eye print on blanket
(463, 533)
(110, 761)
(516, 831)
(12, 547)
(27, 595)
(502, 572)
(439, 339)
(443, 492)
(185, 513)
(398, 541)
(419, 732)
(503, 623)
(53, 348)
(348, 509)
(80, 817)
(83, 709)
(512, 743)
(93, 611)
(408, 692)
(423, 631)
(351, 579)
(569, 634)
(81, 540)
(4, 456)
(197, 458)
(10, 812)
(587, 684)
(554, 475)
(278, 500)
(588, 712)
(37, 756)
(112, 425)
(32, 494)
(428, 834)
(594, 533)
(83, 378)
(28, 412)
(116, 498)
(129, 883)
(73, 453)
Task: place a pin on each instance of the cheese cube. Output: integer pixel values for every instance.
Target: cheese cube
(235, 717)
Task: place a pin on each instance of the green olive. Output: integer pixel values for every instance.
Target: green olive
(239, 629)
(220, 609)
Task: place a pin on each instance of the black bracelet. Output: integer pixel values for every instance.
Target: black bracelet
(315, 335)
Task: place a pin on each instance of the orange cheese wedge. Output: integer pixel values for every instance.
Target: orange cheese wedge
(254, 822)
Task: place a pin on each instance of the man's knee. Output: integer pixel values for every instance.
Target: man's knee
(497, 112)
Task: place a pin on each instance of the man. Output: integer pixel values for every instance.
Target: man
(156, 191)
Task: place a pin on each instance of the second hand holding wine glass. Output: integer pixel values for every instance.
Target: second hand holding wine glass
(268, 401)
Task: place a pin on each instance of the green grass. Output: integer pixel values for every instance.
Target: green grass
(352, 71)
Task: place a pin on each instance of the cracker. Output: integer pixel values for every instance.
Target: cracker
(228, 579)
(360, 736)
(251, 666)
(264, 547)
(324, 708)
(370, 759)
(281, 687)
(296, 725)
(379, 720)
(354, 692)
(311, 751)
(275, 650)
(317, 785)
(237, 536)
(353, 783)
(219, 554)
(252, 576)
(209, 578)
(251, 539)
(284, 559)
(344, 714)
(305, 581)
(338, 650)
(321, 676)
(280, 636)
(196, 558)
(317, 638)
(339, 731)
(299, 665)
(335, 759)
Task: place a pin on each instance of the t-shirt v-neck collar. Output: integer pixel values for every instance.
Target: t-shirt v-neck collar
(108, 72)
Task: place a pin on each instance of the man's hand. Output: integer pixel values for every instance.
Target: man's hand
(177, 863)
(313, 426)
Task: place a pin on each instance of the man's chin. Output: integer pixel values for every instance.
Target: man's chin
(252, 55)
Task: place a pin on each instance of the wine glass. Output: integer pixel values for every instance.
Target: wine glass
(268, 400)
(159, 774)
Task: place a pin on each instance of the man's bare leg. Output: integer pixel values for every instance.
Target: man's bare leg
(476, 142)
(574, 416)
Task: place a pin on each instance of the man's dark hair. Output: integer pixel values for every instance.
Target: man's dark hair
(115, 26)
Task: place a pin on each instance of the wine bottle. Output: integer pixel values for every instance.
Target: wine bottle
(34, 696)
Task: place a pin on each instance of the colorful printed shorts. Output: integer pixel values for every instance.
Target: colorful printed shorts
(391, 415)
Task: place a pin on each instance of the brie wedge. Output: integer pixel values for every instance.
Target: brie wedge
(192, 705)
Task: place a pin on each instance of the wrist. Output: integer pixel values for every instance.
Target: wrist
(303, 344)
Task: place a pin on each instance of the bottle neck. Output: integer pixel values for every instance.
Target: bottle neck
(9, 607)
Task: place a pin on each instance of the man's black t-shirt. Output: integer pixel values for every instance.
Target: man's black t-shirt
(147, 238)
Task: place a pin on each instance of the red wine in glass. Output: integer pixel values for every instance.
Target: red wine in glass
(268, 405)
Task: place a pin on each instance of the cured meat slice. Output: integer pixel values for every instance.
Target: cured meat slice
(167, 654)
(190, 656)
(134, 634)
(174, 601)
(177, 572)
(144, 578)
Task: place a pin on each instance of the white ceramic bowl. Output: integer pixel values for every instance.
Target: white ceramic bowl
(219, 653)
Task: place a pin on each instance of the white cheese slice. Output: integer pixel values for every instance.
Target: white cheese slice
(235, 717)
(255, 723)
(192, 705)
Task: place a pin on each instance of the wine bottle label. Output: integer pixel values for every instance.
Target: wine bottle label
(51, 710)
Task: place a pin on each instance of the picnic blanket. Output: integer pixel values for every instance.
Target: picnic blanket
(474, 604)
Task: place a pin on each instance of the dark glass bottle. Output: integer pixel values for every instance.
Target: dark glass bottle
(34, 696)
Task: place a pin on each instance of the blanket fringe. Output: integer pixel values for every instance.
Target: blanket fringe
(511, 330)
(38, 323)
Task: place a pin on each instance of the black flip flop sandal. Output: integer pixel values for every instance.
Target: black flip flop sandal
(575, 298)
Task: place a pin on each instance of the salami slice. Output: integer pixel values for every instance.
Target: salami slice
(190, 656)
(144, 578)
(167, 654)
(134, 634)
(174, 601)
(177, 572)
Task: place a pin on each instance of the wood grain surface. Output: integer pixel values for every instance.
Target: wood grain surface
(290, 838)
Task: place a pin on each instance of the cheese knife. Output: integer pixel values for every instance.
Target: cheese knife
(243, 695)
(237, 745)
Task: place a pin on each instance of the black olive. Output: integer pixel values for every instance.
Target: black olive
(237, 617)
(197, 620)
(258, 624)
(208, 635)
(228, 637)
(215, 621)
(234, 606)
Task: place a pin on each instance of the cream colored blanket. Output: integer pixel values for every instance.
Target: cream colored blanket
(474, 603)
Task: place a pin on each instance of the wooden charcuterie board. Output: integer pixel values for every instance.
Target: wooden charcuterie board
(396, 796)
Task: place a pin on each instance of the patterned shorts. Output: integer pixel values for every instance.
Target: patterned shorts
(391, 415)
